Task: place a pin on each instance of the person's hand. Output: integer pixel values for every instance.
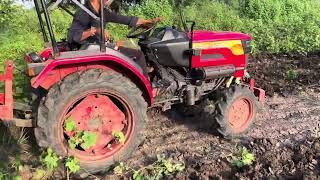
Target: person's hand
(106, 35)
(156, 20)
(96, 31)
(143, 22)
(93, 31)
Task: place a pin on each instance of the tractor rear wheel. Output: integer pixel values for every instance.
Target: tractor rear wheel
(236, 111)
(104, 106)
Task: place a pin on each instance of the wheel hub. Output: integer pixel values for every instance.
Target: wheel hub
(240, 114)
(97, 114)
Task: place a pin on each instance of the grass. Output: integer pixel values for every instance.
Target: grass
(17, 151)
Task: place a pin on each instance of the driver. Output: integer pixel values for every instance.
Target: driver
(85, 29)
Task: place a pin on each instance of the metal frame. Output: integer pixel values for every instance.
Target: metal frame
(51, 5)
(6, 98)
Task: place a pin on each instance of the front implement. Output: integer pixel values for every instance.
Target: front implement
(7, 104)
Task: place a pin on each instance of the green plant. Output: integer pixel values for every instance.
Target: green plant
(165, 167)
(245, 158)
(70, 125)
(159, 169)
(137, 175)
(50, 159)
(292, 75)
(119, 136)
(84, 138)
(120, 169)
(40, 173)
(89, 140)
(75, 140)
(72, 164)
(18, 178)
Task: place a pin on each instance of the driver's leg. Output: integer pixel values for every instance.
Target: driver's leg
(137, 56)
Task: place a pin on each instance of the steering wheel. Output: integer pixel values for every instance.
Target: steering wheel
(142, 31)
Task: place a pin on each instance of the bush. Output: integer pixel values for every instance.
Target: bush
(20, 34)
(214, 16)
(23, 35)
(7, 12)
(277, 26)
(282, 26)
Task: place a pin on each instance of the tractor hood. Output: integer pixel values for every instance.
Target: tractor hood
(208, 36)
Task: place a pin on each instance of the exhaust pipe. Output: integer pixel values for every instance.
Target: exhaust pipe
(213, 72)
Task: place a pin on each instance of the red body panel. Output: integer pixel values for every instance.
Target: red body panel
(205, 36)
(98, 114)
(228, 58)
(57, 69)
(6, 99)
(46, 53)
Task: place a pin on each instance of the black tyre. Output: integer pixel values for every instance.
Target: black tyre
(236, 111)
(98, 102)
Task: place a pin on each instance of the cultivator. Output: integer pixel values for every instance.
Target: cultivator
(6, 98)
(7, 104)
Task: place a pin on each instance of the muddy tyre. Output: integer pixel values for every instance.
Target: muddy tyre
(236, 111)
(100, 102)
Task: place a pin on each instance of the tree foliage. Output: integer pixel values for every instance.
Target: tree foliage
(277, 26)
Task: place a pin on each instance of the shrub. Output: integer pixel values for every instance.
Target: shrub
(7, 12)
(215, 16)
(277, 26)
(282, 26)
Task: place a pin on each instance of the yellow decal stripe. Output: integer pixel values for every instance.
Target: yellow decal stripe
(235, 46)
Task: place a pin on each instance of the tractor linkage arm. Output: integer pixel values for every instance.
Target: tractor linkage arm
(6, 99)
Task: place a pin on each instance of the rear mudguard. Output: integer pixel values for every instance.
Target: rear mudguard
(71, 62)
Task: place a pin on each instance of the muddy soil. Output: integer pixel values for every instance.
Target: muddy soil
(272, 73)
(285, 138)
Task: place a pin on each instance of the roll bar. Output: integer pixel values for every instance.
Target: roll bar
(45, 8)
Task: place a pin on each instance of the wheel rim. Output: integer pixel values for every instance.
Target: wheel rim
(100, 113)
(241, 114)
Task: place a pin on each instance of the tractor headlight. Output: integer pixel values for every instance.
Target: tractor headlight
(247, 46)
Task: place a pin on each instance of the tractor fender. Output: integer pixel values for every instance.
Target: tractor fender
(70, 62)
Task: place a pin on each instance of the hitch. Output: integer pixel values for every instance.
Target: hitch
(6, 99)
(258, 92)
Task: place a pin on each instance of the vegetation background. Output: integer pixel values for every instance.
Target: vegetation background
(277, 26)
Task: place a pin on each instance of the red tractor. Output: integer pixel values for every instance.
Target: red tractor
(101, 94)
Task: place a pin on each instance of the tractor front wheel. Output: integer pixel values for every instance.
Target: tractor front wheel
(95, 116)
(236, 111)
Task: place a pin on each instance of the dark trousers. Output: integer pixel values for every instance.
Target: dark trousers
(137, 56)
